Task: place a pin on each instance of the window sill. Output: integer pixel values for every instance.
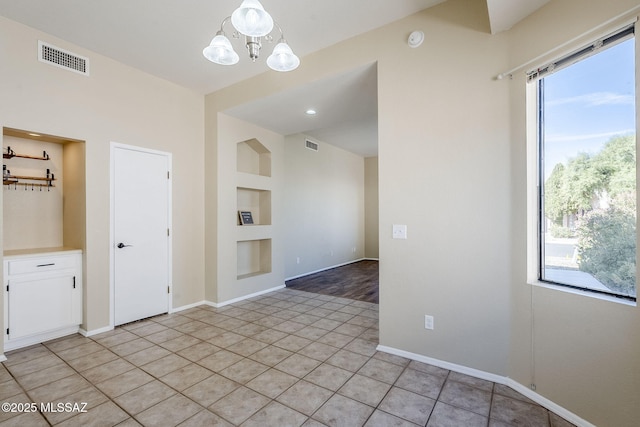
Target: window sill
(584, 293)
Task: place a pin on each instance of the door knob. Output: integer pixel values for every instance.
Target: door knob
(122, 245)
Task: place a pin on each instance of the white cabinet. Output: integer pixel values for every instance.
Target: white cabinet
(43, 296)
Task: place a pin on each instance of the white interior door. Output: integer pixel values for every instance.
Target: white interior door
(141, 198)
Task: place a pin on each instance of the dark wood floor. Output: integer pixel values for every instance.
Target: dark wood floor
(358, 281)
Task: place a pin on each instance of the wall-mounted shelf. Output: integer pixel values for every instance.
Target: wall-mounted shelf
(15, 180)
(25, 180)
(10, 154)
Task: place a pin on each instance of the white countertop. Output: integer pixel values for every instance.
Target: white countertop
(20, 253)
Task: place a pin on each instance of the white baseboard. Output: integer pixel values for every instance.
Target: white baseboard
(330, 268)
(242, 298)
(3, 358)
(95, 331)
(445, 365)
(187, 307)
(525, 391)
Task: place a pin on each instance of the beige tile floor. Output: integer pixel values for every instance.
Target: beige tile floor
(288, 358)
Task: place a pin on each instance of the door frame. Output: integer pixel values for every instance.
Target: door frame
(112, 240)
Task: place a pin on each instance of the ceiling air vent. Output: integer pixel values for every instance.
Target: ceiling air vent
(62, 58)
(311, 145)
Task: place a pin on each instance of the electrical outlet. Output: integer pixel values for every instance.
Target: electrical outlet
(428, 322)
(297, 260)
(399, 231)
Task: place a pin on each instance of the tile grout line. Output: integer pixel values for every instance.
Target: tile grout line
(352, 375)
(26, 393)
(274, 399)
(291, 305)
(133, 416)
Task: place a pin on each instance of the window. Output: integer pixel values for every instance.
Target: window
(587, 168)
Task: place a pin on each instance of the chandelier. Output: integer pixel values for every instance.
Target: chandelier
(253, 22)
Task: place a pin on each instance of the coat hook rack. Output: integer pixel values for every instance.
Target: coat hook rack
(8, 180)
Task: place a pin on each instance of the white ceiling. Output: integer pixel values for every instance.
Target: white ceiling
(346, 106)
(165, 38)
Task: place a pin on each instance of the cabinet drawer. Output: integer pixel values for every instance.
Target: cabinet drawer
(37, 265)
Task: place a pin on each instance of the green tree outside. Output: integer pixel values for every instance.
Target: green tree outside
(607, 248)
(606, 235)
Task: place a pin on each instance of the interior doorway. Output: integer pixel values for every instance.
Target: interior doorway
(358, 281)
(141, 233)
(330, 190)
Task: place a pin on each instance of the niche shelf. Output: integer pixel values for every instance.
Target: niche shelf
(54, 167)
(253, 183)
(253, 158)
(254, 258)
(256, 201)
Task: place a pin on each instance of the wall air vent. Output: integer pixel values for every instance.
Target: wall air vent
(311, 145)
(62, 58)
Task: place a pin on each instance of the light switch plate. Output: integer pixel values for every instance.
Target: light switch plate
(428, 322)
(399, 231)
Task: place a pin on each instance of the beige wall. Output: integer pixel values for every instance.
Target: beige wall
(586, 351)
(371, 217)
(324, 199)
(444, 172)
(115, 103)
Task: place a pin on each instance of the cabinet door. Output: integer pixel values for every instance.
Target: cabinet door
(40, 304)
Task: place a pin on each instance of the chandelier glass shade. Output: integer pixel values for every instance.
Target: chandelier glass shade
(220, 51)
(253, 22)
(251, 19)
(282, 58)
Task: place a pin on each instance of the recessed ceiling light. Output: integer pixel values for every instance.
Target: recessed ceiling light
(310, 112)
